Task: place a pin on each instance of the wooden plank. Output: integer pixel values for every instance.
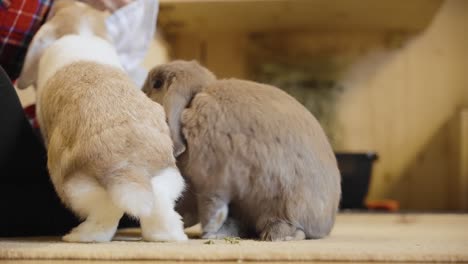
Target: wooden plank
(464, 160)
(178, 16)
(221, 53)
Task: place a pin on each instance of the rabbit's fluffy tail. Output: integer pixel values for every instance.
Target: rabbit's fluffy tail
(131, 191)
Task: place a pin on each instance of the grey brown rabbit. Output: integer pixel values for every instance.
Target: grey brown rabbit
(255, 158)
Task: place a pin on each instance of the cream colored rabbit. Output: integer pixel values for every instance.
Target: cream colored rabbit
(256, 160)
(109, 147)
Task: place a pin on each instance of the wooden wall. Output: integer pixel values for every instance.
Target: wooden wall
(463, 158)
(404, 110)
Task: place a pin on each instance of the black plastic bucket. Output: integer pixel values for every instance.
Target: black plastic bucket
(356, 170)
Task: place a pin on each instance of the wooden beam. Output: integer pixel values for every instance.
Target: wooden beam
(464, 159)
(196, 16)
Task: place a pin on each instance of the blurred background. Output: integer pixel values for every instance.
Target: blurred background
(388, 81)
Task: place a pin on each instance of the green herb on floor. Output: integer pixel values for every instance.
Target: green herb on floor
(232, 240)
(209, 242)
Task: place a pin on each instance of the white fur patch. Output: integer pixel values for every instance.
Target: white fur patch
(85, 194)
(169, 183)
(85, 29)
(165, 224)
(90, 200)
(133, 199)
(73, 48)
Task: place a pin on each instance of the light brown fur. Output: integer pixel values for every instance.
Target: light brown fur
(65, 14)
(252, 147)
(97, 123)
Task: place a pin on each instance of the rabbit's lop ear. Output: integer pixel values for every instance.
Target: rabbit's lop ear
(162, 86)
(174, 85)
(175, 101)
(43, 38)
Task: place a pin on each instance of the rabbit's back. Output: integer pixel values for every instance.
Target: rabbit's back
(266, 150)
(103, 120)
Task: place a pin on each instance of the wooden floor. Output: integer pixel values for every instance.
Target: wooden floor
(165, 262)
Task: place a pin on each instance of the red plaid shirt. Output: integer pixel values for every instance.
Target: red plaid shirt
(19, 21)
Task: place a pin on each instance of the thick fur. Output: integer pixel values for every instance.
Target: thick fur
(109, 147)
(252, 150)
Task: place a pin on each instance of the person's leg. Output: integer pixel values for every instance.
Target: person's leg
(28, 203)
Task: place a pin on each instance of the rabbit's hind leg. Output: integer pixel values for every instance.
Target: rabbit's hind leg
(279, 230)
(213, 212)
(90, 200)
(231, 228)
(164, 223)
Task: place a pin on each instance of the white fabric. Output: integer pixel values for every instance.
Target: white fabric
(132, 28)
